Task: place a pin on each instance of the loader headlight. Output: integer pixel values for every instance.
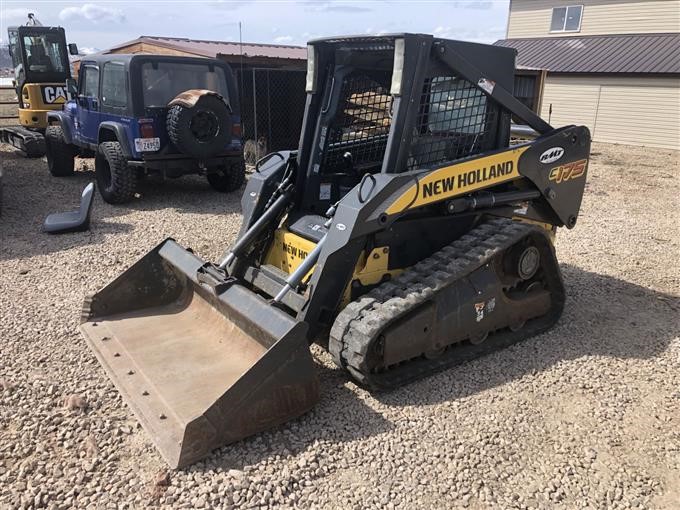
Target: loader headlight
(310, 86)
(398, 69)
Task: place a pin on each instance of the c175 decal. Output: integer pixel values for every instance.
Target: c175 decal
(568, 171)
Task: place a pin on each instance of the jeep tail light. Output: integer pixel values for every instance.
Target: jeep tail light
(146, 130)
(236, 130)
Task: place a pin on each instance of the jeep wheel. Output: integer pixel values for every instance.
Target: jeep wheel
(201, 131)
(228, 177)
(60, 155)
(117, 182)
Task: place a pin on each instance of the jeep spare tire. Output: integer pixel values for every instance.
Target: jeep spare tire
(201, 130)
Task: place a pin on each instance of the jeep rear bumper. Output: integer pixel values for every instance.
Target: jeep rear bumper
(176, 165)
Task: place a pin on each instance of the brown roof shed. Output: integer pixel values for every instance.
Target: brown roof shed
(271, 55)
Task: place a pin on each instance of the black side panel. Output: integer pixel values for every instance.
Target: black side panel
(491, 74)
(498, 66)
(260, 187)
(558, 165)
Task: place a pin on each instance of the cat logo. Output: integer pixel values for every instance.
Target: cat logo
(55, 94)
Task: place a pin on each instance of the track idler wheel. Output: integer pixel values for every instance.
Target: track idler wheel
(435, 353)
(516, 326)
(479, 338)
(528, 262)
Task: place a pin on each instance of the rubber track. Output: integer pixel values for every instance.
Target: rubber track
(358, 326)
(30, 142)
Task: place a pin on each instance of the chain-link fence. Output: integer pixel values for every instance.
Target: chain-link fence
(272, 108)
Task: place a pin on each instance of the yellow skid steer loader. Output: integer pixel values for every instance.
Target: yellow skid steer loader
(404, 234)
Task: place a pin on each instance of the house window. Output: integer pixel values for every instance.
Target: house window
(566, 19)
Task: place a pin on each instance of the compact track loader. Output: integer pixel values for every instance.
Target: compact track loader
(404, 234)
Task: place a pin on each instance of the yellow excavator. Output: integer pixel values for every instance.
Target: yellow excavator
(404, 234)
(41, 68)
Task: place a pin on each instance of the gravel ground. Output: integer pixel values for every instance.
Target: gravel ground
(587, 415)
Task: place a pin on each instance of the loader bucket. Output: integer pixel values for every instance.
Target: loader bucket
(200, 368)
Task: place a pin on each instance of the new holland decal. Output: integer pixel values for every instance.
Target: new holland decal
(568, 171)
(459, 179)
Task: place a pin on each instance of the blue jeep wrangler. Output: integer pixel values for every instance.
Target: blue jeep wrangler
(138, 114)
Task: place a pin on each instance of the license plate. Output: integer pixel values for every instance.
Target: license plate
(147, 144)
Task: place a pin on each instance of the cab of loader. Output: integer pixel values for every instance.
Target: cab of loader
(381, 111)
(403, 157)
(384, 105)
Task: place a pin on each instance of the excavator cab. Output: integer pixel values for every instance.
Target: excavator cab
(404, 234)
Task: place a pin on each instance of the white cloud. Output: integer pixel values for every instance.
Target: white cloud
(441, 31)
(92, 12)
(16, 16)
(334, 6)
(88, 51)
(485, 35)
(487, 4)
(282, 39)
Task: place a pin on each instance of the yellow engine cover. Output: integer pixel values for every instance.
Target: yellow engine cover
(288, 250)
(39, 99)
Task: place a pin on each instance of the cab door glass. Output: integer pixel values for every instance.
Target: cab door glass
(44, 53)
(14, 46)
(90, 86)
(114, 85)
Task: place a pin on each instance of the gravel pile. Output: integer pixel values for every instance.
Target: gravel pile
(587, 415)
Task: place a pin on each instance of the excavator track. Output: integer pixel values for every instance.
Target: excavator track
(357, 339)
(31, 143)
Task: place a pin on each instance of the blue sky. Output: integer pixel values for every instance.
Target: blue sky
(99, 25)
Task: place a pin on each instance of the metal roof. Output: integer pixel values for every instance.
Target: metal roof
(213, 48)
(633, 53)
(127, 58)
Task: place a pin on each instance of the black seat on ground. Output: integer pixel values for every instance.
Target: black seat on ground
(73, 221)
